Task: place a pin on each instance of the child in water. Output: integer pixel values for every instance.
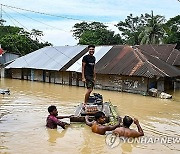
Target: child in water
(52, 119)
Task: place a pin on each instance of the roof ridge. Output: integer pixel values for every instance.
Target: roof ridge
(148, 62)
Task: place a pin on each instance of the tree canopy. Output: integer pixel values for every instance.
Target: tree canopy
(172, 29)
(17, 40)
(95, 33)
(153, 31)
(131, 28)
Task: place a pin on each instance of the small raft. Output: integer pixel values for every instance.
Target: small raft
(95, 104)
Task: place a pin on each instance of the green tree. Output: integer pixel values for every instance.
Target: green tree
(79, 28)
(95, 33)
(131, 28)
(36, 33)
(2, 21)
(100, 37)
(17, 40)
(172, 28)
(153, 31)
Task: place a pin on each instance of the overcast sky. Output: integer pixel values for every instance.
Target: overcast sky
(57, 28)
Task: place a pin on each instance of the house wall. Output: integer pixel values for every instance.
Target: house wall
(65, 78)
(52, 77)
(80, 82)
(177, 84)
(76, 79)
(25, 74)
(16, 73)
(2, 74)
(58, 77)
(38, 75)
(73, 78)
(107, 82)
(160, 85)
(122, 83)
(6, 57)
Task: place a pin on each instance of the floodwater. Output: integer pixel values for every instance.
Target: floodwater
(23, 115)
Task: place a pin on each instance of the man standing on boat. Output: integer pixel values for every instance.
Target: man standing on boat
(88, 72)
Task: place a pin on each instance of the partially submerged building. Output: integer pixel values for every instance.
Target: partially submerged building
(5, 59)
(120, 67)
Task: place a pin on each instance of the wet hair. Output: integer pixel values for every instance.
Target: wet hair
(127, 121)
(98, 115)
(91, 46)
(51, 108)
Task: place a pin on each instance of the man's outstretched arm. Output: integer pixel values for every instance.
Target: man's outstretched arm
(61, 117)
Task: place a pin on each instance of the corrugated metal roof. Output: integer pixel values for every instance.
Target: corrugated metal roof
(162, 68)
(165, 52)
(174, 58)
(48, 58)
(124, 60)
(100, 51)
(120, 60)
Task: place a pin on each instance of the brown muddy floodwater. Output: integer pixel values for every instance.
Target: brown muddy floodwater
(23, 115)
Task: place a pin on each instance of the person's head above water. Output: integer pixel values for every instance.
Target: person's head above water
(100, 117)
(53, 110)
(127, 121)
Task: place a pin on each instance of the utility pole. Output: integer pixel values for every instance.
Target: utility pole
(1, 17)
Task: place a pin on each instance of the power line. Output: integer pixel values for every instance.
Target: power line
(29, 39)
(39, 38)
(69, 18)
(41, 22)
(59, 16)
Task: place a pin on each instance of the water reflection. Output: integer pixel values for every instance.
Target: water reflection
(126, 147)
(54, 134)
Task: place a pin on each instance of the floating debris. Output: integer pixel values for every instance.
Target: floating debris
(5, 91)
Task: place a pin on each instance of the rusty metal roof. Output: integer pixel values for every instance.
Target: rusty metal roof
(165, 52)
(124, 60)
(174, 58)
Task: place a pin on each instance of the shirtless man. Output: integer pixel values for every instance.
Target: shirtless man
(126, 131)
(97, 124)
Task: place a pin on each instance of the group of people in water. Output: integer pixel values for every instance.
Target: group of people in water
(98, 124)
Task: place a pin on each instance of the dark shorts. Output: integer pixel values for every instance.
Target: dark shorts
(89, 82)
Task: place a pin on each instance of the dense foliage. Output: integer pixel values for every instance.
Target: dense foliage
(17, 40)
(95, 33)
(143, 29)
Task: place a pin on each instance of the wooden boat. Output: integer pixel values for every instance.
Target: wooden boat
(95, 103)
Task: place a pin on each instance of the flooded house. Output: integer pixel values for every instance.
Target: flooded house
(119, 68)
(5, 59)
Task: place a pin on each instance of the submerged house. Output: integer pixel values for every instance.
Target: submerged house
(120, 68)
(5, 59)
(46, 64)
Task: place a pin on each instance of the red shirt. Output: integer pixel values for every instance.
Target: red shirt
(52, 122)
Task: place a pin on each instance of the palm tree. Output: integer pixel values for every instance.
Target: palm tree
(153, 32)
